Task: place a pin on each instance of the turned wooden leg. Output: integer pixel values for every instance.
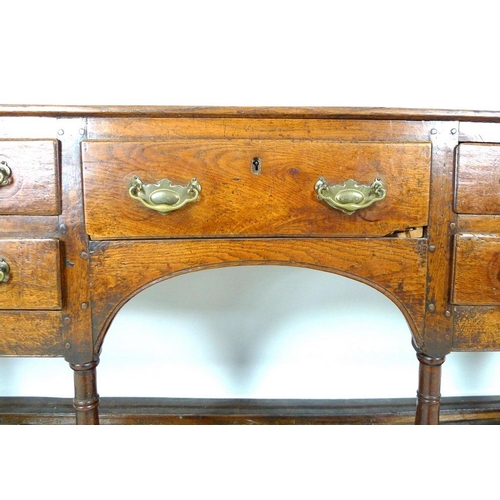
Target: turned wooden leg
(429, 390)
(86, 402)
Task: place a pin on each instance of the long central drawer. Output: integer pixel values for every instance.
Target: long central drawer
(252, 187)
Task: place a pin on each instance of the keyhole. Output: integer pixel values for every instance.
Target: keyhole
(256, 166)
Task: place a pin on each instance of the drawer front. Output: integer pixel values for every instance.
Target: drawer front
(253, 187)
(477, 270)
(29, 177)
(30, 274)
(478, 179)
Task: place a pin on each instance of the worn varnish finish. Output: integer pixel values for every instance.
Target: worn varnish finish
(34, 281)
(34, 186)
(478, 179)
(278, 199)
(476, 328)
(477, 259)
(114, 277)
(258, 127)
(31, 333)
(75, 239)
(484, 224)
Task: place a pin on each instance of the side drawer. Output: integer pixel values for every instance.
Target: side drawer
(31, 274)
(477, 270)
(29, 177)
(252, 187)
(478, 179)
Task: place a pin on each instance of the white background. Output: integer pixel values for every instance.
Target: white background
(258, 332)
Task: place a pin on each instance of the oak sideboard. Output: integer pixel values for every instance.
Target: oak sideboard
(98, 203)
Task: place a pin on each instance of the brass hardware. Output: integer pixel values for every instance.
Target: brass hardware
(350, 196)
(5, 173)
(4, 271)
(256, 166)
(164, 197)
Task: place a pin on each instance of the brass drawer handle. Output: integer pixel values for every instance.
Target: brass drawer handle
(4, 271)
(164, 197)
(350, 196)
(5, 173)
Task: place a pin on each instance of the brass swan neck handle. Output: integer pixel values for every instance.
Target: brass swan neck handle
(163, 196)
(350, 196)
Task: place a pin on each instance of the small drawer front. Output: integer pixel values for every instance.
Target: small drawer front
(29, 177)
(30, 274)
(478, 179)
(477, 270)
(253, 187)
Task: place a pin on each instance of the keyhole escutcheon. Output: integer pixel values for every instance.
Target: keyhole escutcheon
(256, 166)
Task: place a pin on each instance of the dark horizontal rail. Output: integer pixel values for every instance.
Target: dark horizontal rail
(158, 411)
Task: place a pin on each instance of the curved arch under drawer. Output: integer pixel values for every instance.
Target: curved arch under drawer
(120, 270)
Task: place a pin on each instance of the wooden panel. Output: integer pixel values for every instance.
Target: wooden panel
(31, 333)
(478, 179)
(394, 266)
(257, 127)
(77, 324)
(34, 186)
(234, 201)
(477, 270)
(34, 274)
(486, 224)
(477, 328)
(439, 234)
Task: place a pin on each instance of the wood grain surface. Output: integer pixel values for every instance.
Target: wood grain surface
(477, 270)
(478, 179)
(119, 270)
(34, 186)
(31, 333)
(280, 200)
(477, 328)
(35, 274)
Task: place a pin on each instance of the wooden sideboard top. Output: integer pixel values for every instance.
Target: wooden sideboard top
(255, 112)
